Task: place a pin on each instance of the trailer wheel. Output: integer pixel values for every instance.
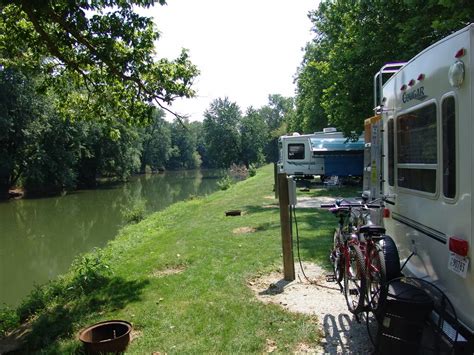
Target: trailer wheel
(392, 259)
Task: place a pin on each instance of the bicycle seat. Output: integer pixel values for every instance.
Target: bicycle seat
(372, 229)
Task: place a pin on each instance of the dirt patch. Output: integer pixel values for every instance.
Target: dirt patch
(135, 334)
(271, 206)
(244, 230)
(304, 348)
(342, 333)
(169, 271)
(271, 346)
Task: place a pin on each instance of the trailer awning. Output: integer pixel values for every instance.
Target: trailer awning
(335, 145)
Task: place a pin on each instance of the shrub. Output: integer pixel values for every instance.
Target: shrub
(225, 182)
(136, 213)
(8, 319)
(252, 170)
(90, 271)
(33, 303)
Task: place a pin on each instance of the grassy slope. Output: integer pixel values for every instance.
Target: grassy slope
(208, 306)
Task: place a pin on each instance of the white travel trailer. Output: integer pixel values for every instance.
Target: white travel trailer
(296, 158)
(427, 169)
(326, 153)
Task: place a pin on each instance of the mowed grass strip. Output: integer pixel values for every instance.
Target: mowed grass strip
(180, 277)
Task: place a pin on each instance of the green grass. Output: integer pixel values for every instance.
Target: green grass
(207, 306)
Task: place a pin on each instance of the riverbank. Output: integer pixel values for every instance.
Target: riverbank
(181, 278)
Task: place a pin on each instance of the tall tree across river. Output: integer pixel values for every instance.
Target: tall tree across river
(221, 132)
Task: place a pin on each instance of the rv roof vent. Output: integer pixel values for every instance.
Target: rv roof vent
(295, 134)
(329, 129)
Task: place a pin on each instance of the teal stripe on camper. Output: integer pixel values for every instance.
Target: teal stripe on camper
(335, 144)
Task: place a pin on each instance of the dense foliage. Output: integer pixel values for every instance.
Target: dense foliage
(76, 77)
(353, 40)
(102, 47)
(47, 150)
(83, 97)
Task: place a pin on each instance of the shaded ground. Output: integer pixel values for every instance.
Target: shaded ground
(342, 334)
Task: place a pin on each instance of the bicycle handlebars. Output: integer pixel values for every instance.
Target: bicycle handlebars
(350, 205)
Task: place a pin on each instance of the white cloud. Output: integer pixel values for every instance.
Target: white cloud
(245, 49)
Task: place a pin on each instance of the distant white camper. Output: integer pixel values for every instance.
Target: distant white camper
(323, 154)
(296, 158)
(427, 171)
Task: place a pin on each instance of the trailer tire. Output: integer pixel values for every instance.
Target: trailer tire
(392, 259)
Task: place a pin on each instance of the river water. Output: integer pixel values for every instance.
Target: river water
(39, 238)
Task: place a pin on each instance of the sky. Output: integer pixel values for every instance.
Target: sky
(244, 49)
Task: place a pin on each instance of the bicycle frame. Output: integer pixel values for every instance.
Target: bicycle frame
(357, 256)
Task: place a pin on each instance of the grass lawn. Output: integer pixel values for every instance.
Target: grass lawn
(180, 277)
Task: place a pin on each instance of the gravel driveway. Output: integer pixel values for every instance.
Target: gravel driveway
(342, 333)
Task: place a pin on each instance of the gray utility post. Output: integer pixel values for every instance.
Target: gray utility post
(286, 240)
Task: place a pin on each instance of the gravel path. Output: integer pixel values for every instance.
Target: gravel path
(342, 334)
(313, 202)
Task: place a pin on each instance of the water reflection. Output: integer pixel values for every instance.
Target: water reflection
(40, 237)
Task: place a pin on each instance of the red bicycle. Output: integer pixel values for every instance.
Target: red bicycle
(358, 254)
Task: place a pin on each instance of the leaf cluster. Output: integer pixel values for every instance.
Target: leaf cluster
(103, 47)
(352, 41)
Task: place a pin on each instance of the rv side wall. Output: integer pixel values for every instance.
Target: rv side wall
(428, 166)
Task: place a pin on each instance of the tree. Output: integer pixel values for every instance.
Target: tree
(103, 46)
(183, 147)
(310, 115)
(276, 114)
(254, 137)
(353, 39)
(111, 152)
(277, 110)
(156, 138)
(221, 132)
(53, 150)
(197, 129)
(19, 107)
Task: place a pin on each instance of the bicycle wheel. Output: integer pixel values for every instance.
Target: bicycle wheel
(376, 276)
(337, 257)
(354, 279)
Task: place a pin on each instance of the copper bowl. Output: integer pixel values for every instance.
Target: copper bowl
(111, 336)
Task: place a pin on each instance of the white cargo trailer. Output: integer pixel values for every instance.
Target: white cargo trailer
(427, 169)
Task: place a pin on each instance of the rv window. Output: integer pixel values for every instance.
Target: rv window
(296, 151)
(449, 147)
(390, 153)
(417, 149)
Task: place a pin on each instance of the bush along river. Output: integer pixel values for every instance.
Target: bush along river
(39, 238)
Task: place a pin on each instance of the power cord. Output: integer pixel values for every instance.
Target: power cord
(293, 209)
(293, 213)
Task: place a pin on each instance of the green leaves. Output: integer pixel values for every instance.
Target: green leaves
(221, 132)
(109, 52)
(353, 40)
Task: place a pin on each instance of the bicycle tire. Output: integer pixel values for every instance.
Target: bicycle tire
(355, 280)
(376, 277)
(392, 259)
(337, 257)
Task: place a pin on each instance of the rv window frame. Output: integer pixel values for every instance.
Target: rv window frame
(435, 167)
(296, 144)
(456, 156)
